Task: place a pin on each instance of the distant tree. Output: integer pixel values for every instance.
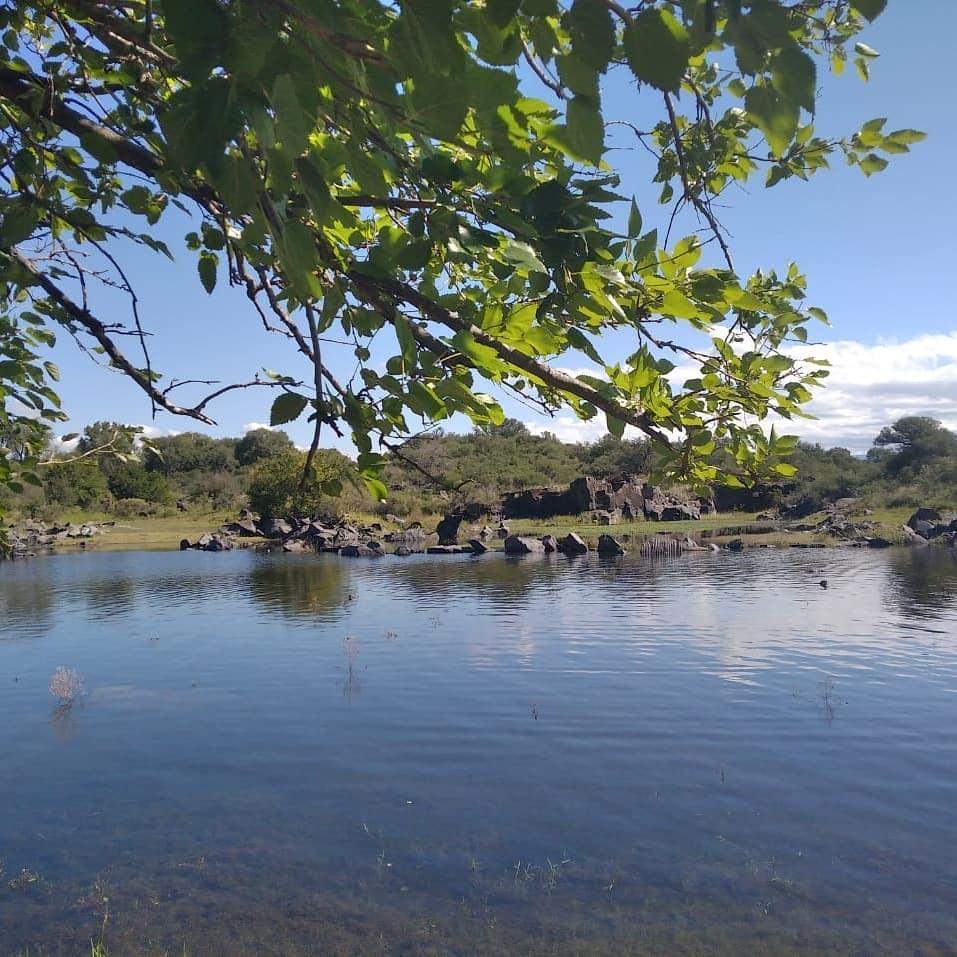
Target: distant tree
(132, 479)
(277, 490)
(114, 434)
(915, 441)
(189, 452)
(75, 483)
(609, 455)
(259, 444)
(509, 428)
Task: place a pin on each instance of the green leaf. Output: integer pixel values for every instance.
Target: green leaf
(292, 124)
(634, 221)
(287, 408)
(593, 32)
(207, 271)
(776, 117)
(376, 487)
(615, 426)
(299, 259)
(872, 163)
(871, 9)
(658, 48)
(794, 76)
(585, 129)
(521, 254)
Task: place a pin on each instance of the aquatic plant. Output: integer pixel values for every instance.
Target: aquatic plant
(66, 686)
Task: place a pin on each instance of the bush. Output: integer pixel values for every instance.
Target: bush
(78, 483)
(276, 490)
(133, 480)
(133, 507)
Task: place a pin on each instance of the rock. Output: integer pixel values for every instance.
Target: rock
(929, 515)
(203, 540)
(184, 544)
(359, 551)
(688, 544)
(486, 533)
(274, 528)
(735, 545)
(911, 537)
(448, 529)
(573, 544)
(712, 547)
(449, 550)
(244, 526)
(478, 546)
(293, 545)
(523, 545)
(502, 531)
(550, 543)
(606, 516)
(607, 545)
(878, 542)
(403, 551)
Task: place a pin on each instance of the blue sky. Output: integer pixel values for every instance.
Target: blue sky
(878, 252)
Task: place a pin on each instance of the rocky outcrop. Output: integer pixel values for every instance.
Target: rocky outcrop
(25, 537)
(605, 501)
(550, 543)
(934, 526)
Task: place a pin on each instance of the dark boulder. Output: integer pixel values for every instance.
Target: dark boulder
(573, 544)
(359, 551)
(478, 546)
(735, 545)
(929, 516)
(608, 545)
(523, 545)
(274, 527)
(449, 550)
(550, 543)
(448, 529)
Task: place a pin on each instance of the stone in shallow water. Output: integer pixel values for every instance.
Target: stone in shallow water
(609, 545)
(522, 545)
(573, 544)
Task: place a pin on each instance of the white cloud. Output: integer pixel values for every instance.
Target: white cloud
(872, 385)
(253, 426)
(869, 386)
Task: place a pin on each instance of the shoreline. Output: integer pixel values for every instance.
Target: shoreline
(165, 534)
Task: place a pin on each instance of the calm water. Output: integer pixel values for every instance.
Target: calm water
(298, 755)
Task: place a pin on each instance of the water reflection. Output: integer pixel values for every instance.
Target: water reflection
(301, 585)
(924, 580)
(303, 754)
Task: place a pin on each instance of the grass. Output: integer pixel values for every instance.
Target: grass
(152, 533)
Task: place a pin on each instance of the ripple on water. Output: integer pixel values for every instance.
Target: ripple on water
(713, 751)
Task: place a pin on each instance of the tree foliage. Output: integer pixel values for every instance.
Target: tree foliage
(429, 179)
(278, 487)
(259, 444)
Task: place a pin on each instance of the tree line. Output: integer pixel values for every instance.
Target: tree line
(912, 462)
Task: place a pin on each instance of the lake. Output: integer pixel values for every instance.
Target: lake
(301, 755)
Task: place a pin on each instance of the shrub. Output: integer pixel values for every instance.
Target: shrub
(276, 489)
(132, 507)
